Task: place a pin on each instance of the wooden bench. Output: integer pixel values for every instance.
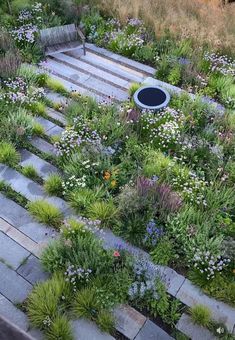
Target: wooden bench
(61, 38)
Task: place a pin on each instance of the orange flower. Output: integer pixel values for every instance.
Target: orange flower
(107, 175)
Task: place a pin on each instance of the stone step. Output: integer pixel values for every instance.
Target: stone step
(134, 65)
(86, 81)
(43, 146)
(75, 88)
(13, 286)
(32, 270)
(57, 98)
(151, 331)
(50, 128)
(43, 168)
(29, 189)
(20, 238)
(11, 253)
(14, 216)
(56, 115)
(191, 295)
(86, 330)
(192, 330)
(94, 71)
(13, 314)
(107, 65)
(128, 321)
(36, 334)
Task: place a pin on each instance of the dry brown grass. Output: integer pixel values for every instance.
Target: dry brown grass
(205, 20)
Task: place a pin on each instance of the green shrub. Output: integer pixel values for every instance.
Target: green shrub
(201, 315)
(163, 253)
(86, 304)
(29, 73)
(18, 5)
(46, 213)
(8, 154)
(52, 257)
(105, 321)
(60, 328)
(156, 163)
(80, 199)
(32, 53)
(20, 126)
(85, 251)
(53, 185)
(56, 85)
(30, 172)
(105, 211)
(163, 69)
(42, 79)
(174, 76)
(145, 54)
(222, 287)
(46, 300)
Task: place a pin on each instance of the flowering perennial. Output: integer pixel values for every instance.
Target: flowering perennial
(209, 264)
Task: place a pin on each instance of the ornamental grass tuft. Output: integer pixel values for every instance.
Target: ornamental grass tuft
(46, 213)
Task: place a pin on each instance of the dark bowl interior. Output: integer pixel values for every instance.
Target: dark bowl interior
(151, 96)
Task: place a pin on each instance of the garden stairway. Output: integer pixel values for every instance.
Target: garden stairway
(22, 238)
(100, 73)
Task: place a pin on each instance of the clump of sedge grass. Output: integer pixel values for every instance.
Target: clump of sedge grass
(46, 213)
(53, 185)
(8, 154)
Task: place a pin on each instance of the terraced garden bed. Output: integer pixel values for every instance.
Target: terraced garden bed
(104, 206)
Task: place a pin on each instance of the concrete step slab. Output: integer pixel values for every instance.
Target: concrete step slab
(14, 287)
(150, 331)
(13, 314)
(57, 98)
(111, 67)
(20, 238)
(78, 89)
(221, 312)
(11, 252)
(47, 124)
(36, 334)
(128, 321)
(56, 115)
(43, 146)
(43, 168)
(29, 189)
(107, 65)
(32, 270)
(132, 64)
(192, 330)
(84, 329)
(55, 131)
(86, 81)
(18, 217)
(51, 129)
(81, 66)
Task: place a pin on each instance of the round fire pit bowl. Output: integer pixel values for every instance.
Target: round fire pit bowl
(151, 98)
